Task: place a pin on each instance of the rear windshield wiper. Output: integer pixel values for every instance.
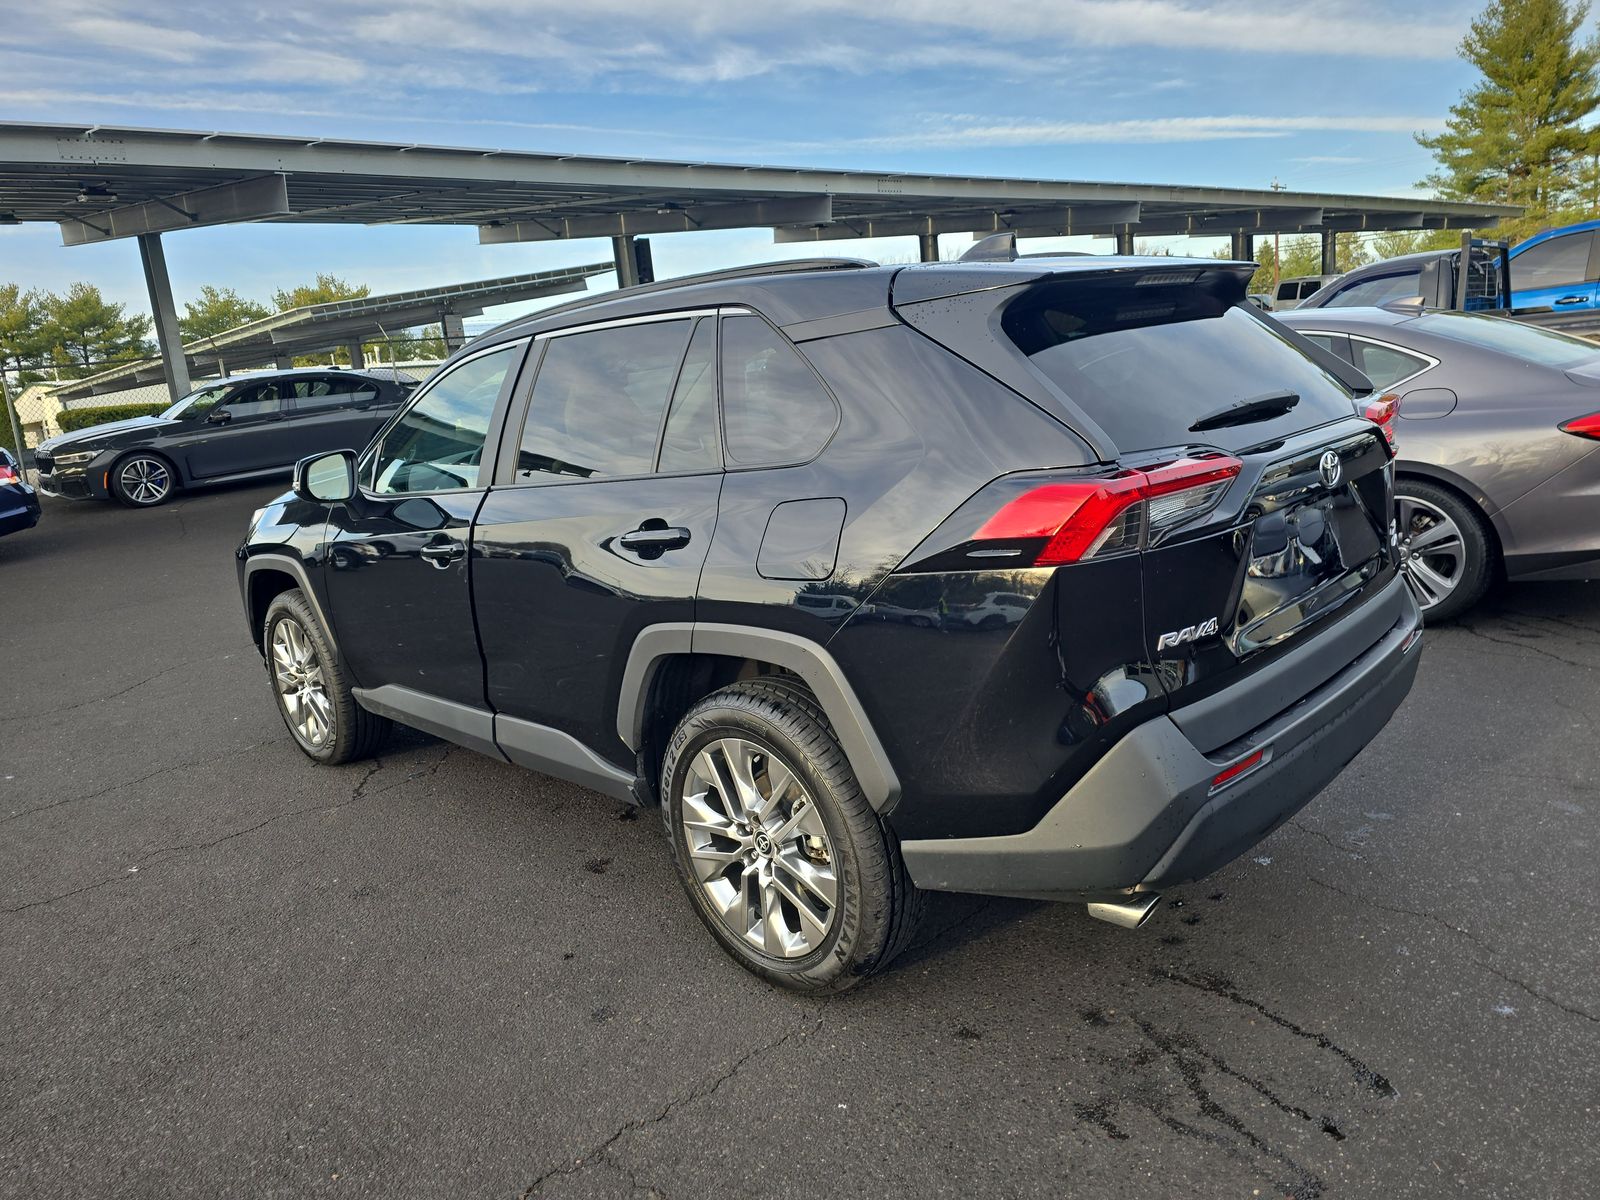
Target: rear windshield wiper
(1256, 408)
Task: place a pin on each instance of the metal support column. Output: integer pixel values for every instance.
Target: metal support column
(627, 265)
(1244, 247)
(283, 361)
(1125, 240)
(928, 247)
(1330, 252)
(357, 358)
(453, 332)
(173, 365)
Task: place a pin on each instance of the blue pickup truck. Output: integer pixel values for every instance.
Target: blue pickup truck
(1552, 279)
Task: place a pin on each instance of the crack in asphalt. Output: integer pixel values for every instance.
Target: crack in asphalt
(1217, 986)
(357, 792)
(34, 714)
(127, 783)
(1317, 833)
(601, 1153)
(1403, 912)
(1478, 633)
(1572, 1010)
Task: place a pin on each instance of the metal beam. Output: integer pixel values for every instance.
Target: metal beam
(802, 210)
(1373, 221)
(1034, 222)
(627, 265)
(248, 200)
(1258, 220)
(173, 364)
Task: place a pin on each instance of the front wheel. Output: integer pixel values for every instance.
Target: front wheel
(783, 859)
(143, 480)
(1445, 549)
(313, 696)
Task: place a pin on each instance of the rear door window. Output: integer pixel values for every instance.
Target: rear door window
(1147, 362)
(774, 407)
(1560, 261)
(1385, 365)
(1337, 343)
(1370, 293)
(321, 395)
(598, 401)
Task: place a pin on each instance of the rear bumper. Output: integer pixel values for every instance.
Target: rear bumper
(19, 509)
(1148, 815)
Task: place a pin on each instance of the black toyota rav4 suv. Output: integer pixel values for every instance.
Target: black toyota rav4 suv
(1060, 578)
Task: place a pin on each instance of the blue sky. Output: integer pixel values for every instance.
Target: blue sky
(1323, 97)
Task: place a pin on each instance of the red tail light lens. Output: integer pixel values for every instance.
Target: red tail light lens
(1083, 518)
(7, 475)
(1588, 427)
(1382, 413)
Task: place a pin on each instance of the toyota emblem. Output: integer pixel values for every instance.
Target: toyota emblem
(1330, 468)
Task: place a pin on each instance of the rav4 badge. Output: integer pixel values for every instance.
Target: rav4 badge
(1188, 633)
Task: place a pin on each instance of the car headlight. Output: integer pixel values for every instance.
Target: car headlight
(77, 459)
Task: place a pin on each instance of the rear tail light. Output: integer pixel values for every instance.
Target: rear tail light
(7, 475)
(1082, 518)
(1588, 427)
(1382, 413)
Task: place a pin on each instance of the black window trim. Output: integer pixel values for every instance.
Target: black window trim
(716, 406)
(1408, 351)
(491, 443)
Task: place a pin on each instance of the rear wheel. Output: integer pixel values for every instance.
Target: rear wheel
(143, 480)
(782, 857)
(312, 692)
(1445, 549)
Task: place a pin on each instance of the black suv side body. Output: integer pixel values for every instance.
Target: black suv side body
(1059, 578)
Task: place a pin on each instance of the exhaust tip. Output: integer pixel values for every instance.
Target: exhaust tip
(1128, 914)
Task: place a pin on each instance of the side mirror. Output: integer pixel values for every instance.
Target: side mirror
(220, 416)
(326, 478)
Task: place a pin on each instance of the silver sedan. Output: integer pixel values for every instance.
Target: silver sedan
(1497, 433)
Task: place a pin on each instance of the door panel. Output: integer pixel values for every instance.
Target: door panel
(256, 436)
(1555, 274)
(397, 575)
(560, 598)
(336, 414)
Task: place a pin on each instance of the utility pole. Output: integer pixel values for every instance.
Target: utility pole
(1277, 259)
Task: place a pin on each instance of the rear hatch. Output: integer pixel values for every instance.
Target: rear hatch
(1232, 464)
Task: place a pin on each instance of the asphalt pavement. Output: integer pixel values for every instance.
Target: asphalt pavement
(226, 971)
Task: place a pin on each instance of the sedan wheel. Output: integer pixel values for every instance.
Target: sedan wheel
(143, 481)
(1445, 549)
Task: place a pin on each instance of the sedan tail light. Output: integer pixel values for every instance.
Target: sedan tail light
(1077, 519)
(7, 474)
(1588, 427)
(1382, 413)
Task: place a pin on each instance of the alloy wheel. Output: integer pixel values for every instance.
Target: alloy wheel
(759, 848)
(145, 480)
(297, 675)
(1433, 554)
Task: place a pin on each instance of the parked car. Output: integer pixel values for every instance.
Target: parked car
(1291, 291)
(1497, 429)
(1426, 279)
(19, 506)
(1162, 496)
(1557, 270)
(239, 428)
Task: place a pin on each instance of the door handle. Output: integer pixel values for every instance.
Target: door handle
(663, 538)
(442, 554)
(1572, 300)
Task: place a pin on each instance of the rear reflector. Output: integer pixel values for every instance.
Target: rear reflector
(1085, 517)
(1382, 413)
(1248, 763)
(1588, 427)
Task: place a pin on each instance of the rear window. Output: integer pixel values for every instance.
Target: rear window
(1540, 346)
(1378, 290)
(1146, 362)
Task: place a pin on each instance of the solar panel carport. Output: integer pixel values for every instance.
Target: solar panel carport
(101, 182)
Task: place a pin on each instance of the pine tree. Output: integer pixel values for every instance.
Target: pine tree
(1519, 136)
(84, 331)
(217, 311)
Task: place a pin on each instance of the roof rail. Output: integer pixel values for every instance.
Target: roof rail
(792, 266)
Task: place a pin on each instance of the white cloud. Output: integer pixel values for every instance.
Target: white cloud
(969, 130)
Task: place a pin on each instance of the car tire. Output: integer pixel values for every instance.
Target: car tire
(819, 846)
(1446, 550)
(143, 480)
(311, 689)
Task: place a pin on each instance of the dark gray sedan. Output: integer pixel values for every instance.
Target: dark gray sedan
(1497, 436)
